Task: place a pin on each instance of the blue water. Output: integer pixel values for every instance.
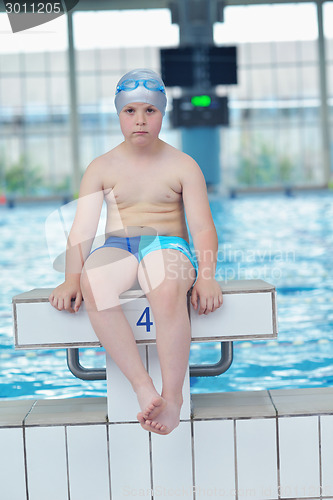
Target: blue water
(287, 241)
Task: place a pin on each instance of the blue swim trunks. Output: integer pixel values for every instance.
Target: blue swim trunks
(140, 246)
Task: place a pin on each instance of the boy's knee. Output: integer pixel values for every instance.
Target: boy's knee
(169, 293)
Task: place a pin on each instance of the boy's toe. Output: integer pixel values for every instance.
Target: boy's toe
(157, 426)
(141, 418)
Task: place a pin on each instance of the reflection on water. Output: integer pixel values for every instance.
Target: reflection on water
(287, 241)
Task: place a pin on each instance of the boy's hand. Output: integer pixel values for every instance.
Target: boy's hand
(207, 293)
(61, 297)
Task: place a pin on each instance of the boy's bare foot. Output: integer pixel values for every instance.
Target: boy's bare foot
(167, 420)
(151, 403)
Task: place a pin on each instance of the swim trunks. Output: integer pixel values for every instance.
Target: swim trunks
(140, 246)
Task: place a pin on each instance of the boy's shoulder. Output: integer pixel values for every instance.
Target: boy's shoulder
(108, 156)
(186, 165)
(106, 159)
(183, 158)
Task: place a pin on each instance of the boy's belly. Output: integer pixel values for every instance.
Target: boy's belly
(137, 223)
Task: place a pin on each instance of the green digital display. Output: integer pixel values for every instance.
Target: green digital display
(202, 101)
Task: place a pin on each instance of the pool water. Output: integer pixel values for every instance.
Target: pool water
(287, 241)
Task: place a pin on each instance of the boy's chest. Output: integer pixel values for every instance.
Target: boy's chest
(145, 186)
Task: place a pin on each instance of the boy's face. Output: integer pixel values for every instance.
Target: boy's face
(140, 122)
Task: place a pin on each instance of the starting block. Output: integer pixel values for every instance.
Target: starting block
(248, 313)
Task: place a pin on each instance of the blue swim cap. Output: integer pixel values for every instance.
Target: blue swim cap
(141, 85)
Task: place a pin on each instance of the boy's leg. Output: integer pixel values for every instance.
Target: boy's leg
(166, 290)
(107, 273)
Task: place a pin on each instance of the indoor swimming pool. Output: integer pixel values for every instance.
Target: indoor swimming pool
(285, 240)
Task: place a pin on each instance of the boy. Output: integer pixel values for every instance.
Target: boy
(146, 185)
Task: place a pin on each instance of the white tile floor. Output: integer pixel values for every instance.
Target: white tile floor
(129, 463)
(172, 463)
(12, 472)
(46, 463)
(229, 450)
(257, 459)
(326, 441)
(214, 442)
(88, 458)
(299, 457)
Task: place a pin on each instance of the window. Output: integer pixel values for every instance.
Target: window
(34, 100)
(278, 89)
(274, 137)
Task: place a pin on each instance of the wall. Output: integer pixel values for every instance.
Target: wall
(262, 445)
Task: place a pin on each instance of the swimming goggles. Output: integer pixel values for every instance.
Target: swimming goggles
(131, 84)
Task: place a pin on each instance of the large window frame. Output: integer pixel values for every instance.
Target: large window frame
(266, 122)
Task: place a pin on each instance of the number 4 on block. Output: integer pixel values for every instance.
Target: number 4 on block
(147, 323)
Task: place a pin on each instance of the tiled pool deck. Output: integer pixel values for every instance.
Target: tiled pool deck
(242, 445)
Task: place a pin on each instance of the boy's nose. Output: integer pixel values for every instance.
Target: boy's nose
(140, 118)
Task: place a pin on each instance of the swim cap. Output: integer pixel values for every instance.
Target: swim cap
(142, 92)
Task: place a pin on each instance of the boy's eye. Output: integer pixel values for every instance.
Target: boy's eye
(150, 110)
(129, 110)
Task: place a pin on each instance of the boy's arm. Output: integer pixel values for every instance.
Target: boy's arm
(80, 240)
(203, 232)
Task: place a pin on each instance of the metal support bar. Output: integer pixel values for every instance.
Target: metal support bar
(218, 368)
(73, 363)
